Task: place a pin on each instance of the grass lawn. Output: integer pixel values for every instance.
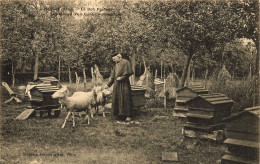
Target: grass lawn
(41, 140)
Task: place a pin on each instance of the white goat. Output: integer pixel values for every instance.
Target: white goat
(78, 102)
(101, 98)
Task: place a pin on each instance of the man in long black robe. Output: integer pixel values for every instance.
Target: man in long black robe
(122, 103)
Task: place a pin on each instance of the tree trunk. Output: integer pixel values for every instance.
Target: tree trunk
(155, 74)
(13, 74)
(188, 76)
(59, 68)
(193, 74)
(161, 69)
(132, 78)
(36, 65)
(77, 81)
(140, 71)
(85, 79)
(164, 71)
(205, 78)
(172, 68)
(256, 40)
(249, 76)
(164, 90)
(70, 81)
(257, 74)
(185, 71)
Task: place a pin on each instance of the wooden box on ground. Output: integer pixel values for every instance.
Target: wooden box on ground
(183, 96)
(243, 137)
(138, 95)
(51, 80)
(206, 113)
(209, 109)
(41, 99)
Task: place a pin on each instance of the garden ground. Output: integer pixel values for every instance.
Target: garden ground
(41, 140)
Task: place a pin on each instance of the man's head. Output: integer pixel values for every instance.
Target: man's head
(117, 58)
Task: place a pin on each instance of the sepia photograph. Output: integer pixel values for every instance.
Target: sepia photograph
(129, 82)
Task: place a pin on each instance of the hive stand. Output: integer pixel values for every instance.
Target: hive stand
(243, 137)
(183, 96)
(205, 116)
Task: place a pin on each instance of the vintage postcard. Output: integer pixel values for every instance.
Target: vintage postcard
(129, 81)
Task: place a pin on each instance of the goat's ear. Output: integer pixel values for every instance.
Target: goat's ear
(64, 88)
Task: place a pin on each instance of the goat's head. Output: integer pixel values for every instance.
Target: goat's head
(97, 90)
(106, 92)
(60, 93)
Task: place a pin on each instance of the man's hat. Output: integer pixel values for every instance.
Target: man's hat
(117, 55)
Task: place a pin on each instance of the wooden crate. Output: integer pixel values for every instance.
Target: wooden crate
(138, 96)
(243, 137)
(184, 95)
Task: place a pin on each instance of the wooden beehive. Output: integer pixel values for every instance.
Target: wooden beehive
(207, 111)
(51, 80)
(243, 137)
(138, 95)
(41, 95)
(183, 96)
(209, 108)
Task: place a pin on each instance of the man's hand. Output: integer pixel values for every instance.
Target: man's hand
(119, 78)
(104, 87)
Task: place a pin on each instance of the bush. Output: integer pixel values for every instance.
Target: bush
(242, 92)
(154, 103)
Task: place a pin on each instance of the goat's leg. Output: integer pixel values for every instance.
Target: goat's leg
(103, 109)
(97, 109)
(87, 117)
(73, 118)
(91, 112)
(67, 117)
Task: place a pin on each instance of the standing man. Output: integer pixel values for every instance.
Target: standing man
(122, 103)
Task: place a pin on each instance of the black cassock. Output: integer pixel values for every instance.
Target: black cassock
(122, 102)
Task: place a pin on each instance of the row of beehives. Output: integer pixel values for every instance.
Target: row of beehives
(209, 113)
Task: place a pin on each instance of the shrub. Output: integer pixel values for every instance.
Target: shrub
(242, 92)
(154, 103)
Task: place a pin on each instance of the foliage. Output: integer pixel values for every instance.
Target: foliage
(172, 32)
(242, 92)
(223, 77)
(154, 103)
